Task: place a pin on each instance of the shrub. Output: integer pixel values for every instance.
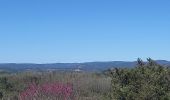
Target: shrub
(145, 82)
(53, 90)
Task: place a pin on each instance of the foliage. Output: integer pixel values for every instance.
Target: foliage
(147, 81)
(54, 85)
(57, 91)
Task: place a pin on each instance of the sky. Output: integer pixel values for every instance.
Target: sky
(54, 31)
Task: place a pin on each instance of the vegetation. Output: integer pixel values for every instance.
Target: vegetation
(146, 81)
(55, 86)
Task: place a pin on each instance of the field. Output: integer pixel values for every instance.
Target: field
(146, 81)
(84, 86)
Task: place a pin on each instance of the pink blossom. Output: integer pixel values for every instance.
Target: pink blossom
(47, 89)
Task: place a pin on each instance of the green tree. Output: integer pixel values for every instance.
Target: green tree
(149, 82)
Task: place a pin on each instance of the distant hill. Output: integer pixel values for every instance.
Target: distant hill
(88, 66)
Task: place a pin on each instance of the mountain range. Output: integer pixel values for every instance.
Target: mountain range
(87, 66)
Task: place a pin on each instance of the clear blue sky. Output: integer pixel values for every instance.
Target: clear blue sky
(47, 31)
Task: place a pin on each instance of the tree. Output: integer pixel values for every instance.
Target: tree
(140, 62)
(150, 82)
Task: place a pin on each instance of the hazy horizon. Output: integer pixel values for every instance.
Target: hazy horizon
(83, 30)
(80, 62)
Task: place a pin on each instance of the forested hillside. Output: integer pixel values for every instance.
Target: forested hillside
(87, 66)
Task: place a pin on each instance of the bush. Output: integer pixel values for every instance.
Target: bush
(145, 82)
(57, 91)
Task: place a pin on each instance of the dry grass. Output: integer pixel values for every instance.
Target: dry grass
(86, 86)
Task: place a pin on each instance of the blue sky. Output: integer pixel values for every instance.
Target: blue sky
(48, 31)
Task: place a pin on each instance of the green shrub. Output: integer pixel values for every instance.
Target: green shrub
(145, 82)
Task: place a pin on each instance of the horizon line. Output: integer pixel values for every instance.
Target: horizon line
(76, 62)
